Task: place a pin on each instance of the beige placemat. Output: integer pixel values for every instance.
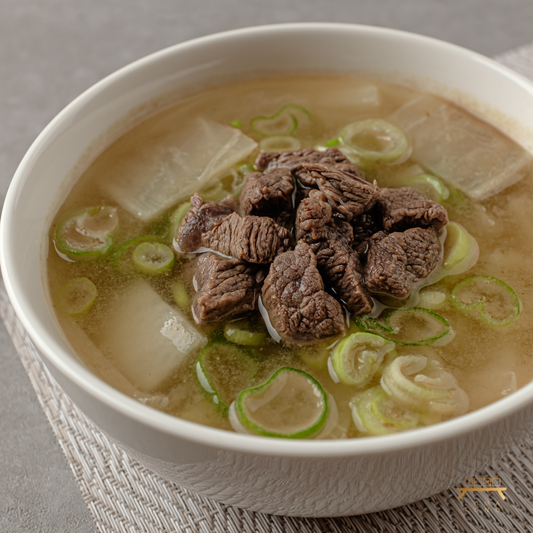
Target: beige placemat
(123, 496)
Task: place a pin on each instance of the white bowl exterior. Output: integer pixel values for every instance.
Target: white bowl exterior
(275, 476)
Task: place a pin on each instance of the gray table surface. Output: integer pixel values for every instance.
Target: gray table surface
(52, 50)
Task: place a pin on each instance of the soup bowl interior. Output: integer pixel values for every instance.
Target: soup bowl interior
(309, 478)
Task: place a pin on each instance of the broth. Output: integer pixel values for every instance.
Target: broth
(487, 361)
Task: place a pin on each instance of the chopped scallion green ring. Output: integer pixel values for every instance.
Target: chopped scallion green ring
(181, 295)
(122, 258)
(357, 357)
(291, 404)
(316, 355)
(497, 303)
(423, 386)
(153, 258)
(177, 216)
(283, 122)
(430, 299)
(376, 413)
(241, 332)
(408, 326)
(87, 235)
(332, 142)
(431, 186)
(279, 144)
(77, 296)
(460, 249)
(245, 170)
(236, 123)
(374, 140)
(224, 370)
(215, 193)
(239, 179)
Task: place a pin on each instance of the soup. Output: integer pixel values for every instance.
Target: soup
(302, 257)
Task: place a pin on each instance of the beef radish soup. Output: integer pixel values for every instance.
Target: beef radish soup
(302, 257)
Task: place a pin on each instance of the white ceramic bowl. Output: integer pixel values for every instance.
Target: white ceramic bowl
(305, 478)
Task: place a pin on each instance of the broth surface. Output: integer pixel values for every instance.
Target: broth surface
(481, 357)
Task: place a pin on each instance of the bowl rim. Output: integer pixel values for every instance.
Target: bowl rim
(75, 371)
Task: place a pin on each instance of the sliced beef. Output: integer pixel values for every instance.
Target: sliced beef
(406, 207)
(331, 241)
(201, 218)
(337, 262)
(293, 295)
(342, 270)
(268, 193)
(313, 213)
(249, 238)
(364, 226)
(398, 260)
(224, 287)
(294, 160)
(348, 195)
(285, 219)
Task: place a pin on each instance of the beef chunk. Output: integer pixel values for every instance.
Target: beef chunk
(294, 160)
(337, 262)
(341, 268)
(224, 287)
(250, 238)
(364, 226)
(313, 212)
(408, 208)
(267, 194)
(398, 260)
(347, 194)
(293, 294)
(201, 218)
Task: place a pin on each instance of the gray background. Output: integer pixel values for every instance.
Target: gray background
(52, 50)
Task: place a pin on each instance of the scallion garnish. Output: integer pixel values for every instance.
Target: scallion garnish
(496, 302)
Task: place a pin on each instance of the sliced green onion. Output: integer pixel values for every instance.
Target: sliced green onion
(433, 392)
(387, 360)
(431, 186)
(236, 123)
(431, 299)
(239, 179)
(279, 144)
(332, 142)
(77, 296)
(374, 140)
(245, 169)
(408, 326)
(215, 193)
(122, 258)
(177, 216)
(87, 235)
(356, 358)
(497, 303)
(181, 295)
(242, 332)
(291, 404)
(283, 122)
(224, 370)
(153, 258)
(458, 200)
(316, 355)
(459, 246)
(376, 413)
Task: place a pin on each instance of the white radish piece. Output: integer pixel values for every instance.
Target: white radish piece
(461, 149)
(95, 360)
(187, 162)
(148, 339)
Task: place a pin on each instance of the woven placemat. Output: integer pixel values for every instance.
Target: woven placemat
(124, 496)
